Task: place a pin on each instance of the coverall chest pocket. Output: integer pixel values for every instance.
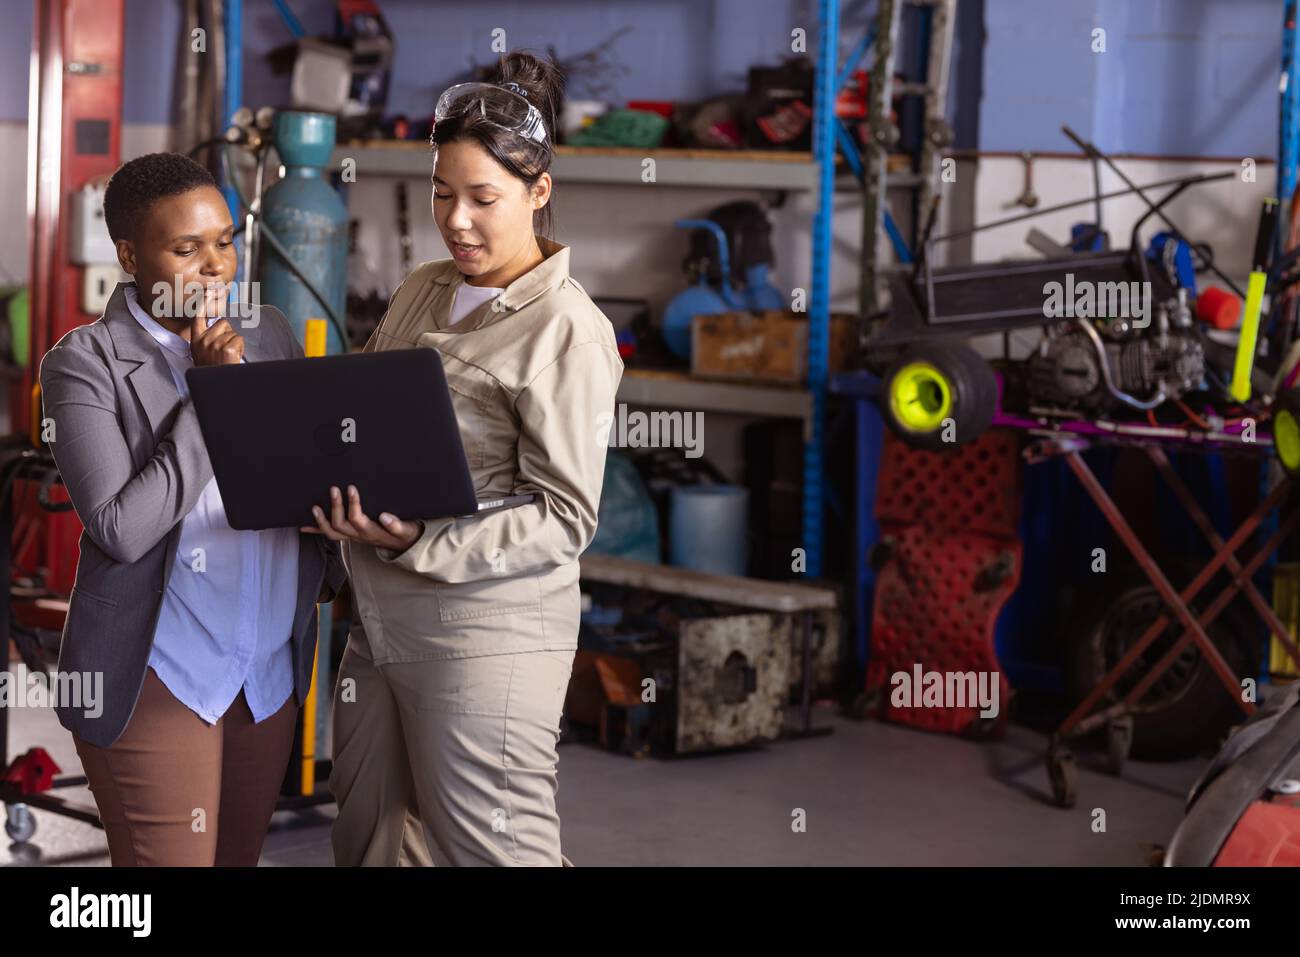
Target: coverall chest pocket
(472, 395)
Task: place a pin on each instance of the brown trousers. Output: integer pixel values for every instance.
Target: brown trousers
(174, 790)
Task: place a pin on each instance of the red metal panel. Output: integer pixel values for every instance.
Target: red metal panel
(952, 519)
(974, 487)
(1268, 835)
(76, 88)
(79, 44)
(92, 93)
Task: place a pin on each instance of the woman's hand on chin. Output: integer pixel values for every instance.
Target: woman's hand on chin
(353, 524)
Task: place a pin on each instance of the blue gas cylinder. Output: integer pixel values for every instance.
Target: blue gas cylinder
(306, 214)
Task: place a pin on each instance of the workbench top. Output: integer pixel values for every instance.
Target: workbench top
(783, 597)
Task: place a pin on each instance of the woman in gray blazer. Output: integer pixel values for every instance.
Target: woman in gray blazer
(203, 636)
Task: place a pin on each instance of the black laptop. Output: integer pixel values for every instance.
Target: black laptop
(280, 433)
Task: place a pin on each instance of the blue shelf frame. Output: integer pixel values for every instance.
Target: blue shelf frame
(819, 307)
(829, 134)
(1289, 125)
(862, 389)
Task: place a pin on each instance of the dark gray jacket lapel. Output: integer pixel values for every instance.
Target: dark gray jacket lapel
(151, 380)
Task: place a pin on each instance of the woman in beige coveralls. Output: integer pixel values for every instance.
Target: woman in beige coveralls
(450, 691)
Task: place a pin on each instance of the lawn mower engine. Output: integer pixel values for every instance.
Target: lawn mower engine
(1082, 367)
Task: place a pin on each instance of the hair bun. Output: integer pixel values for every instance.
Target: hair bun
(536, 78)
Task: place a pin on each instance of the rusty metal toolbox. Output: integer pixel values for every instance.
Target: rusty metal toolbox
(703, 662)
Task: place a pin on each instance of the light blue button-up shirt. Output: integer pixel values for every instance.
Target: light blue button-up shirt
(227, 617)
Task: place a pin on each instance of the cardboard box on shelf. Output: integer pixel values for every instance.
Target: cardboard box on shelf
(767, 346)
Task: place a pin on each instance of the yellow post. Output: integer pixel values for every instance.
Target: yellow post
(1286, 605)
(36, 415)
(1239, 388)
(1246, 344)
(314, 341)
(309, 726)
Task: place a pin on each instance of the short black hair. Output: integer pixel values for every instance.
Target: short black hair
(141, 182)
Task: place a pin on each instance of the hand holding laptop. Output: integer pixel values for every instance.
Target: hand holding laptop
(352, 523)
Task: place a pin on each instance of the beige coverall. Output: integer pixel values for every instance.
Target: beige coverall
(453, 681)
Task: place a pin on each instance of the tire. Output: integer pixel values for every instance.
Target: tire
(932, 383)
(1187, 711)
(1063, 774)
(865, 704)
(1286, 430)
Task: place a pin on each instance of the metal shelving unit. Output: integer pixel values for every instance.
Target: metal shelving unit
(872, 167)
(709, 169)
(677, 390)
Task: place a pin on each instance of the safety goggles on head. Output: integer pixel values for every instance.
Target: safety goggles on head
(500, 106)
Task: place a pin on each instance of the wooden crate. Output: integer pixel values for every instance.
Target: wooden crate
(764, 346)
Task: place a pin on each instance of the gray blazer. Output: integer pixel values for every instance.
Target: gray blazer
(130, 452)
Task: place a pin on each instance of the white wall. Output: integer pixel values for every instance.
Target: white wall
(137, 139)
(1224, 214)
(624, 243)
(13, 204)
(623, 239)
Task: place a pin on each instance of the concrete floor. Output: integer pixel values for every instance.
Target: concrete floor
(873, 793)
